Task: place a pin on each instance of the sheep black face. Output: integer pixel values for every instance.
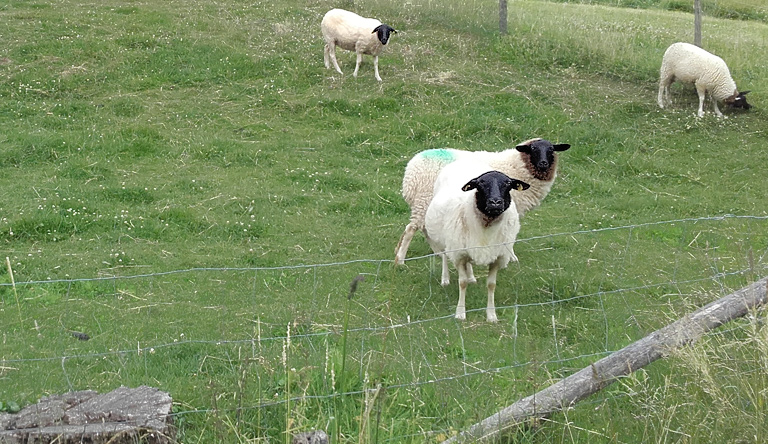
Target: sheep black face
(383, 32)
(492, 197)
(541, 157)
(739, 101)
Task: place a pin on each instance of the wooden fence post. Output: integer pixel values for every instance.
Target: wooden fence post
(503, 17)
(697, 23)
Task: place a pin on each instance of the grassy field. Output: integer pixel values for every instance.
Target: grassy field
(729, 9)
(186, 183)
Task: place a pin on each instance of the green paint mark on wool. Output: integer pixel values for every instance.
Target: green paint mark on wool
(441, 155)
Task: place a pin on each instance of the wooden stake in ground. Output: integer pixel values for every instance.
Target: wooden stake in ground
(602, 373)
(503, 17)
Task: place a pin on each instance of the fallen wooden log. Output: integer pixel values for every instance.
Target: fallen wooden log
(604, 372)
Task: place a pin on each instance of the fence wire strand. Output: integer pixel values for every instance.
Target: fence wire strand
(422, 344)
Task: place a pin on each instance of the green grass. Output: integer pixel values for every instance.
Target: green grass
(184, 180)
(728, 9)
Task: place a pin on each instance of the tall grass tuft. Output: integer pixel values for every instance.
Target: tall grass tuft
(15, 293)
(288, 390)
(342, 376)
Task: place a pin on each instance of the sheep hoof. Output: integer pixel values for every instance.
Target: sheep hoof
(461, 316)
(492, 318)
(445, 282)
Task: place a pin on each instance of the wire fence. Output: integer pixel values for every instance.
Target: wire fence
(257, 340)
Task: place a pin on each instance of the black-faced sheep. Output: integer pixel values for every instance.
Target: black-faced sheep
(533, 161)
(352, 32)
(688, 63)
(472, 219)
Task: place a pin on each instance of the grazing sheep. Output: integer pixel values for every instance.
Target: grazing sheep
(533, 161)
(708, 72)
(473, 227)
(352, 32)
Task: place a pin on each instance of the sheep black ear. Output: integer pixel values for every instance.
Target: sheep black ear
(471, 185)
(519, 185)
(384, 27)
(524, 148)
(561, 146)
(743, 93)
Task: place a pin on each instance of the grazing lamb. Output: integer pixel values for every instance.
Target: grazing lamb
(533, 161)
(473, 227)
(349, 31)
(708, 72)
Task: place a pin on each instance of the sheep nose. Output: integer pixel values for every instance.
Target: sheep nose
(543, 165)
(495, 207)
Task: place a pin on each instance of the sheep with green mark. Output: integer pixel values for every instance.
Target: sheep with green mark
(533, 161)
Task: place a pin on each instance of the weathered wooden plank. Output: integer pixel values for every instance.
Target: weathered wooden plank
(604, 372)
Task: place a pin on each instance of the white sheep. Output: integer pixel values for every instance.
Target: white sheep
(477, 227)
(533, 161)
(709, 73)
(352, 32)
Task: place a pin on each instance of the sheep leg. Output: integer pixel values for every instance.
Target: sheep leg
(461, 307)
(663, 98)
(326, 56)
(405, 241)
(468, 272)
(490, 309)
(702, 91)
(332, 52)
(717, 110)
(445, 276)
(376, 67)
(357, 64)
(471, 274)
(415, 223)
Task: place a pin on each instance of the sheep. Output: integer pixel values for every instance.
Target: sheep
(477, 227)
(352, 32)
(708, 72)
(533, 161)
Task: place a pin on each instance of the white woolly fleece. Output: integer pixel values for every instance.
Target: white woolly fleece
(688, 63)
(455, 225)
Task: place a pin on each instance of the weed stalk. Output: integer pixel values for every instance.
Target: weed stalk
(13, 285)
(345, 327)
(258, 372)
(286, 347)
